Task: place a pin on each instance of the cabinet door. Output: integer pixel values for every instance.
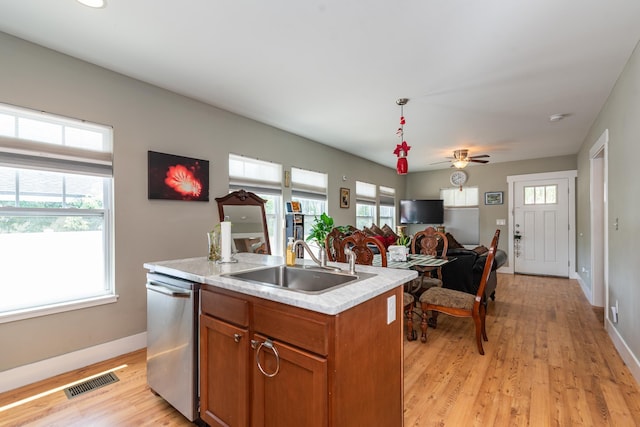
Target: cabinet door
(224, 373)
(289, 386)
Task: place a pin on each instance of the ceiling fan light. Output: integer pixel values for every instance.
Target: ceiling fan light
(97, 4)
(460, 163)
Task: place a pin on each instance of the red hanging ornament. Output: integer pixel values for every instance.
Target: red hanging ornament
(401, 151)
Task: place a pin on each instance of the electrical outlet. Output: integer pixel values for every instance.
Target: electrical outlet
(391, 309)
(614, 314)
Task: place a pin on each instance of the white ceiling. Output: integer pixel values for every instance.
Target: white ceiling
(483, 75)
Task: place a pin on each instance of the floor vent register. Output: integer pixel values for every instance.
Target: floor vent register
(90, 385)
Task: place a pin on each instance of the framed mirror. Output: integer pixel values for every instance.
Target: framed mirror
(246, 212)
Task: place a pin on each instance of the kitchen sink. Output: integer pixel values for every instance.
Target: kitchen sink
(312, 280)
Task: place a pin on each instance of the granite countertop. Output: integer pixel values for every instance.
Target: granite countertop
(331, 302)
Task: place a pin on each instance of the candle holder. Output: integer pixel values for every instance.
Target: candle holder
(213, 237)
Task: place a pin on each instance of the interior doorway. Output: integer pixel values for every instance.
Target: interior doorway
(599, 220)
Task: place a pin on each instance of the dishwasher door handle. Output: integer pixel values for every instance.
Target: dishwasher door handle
(167, 290)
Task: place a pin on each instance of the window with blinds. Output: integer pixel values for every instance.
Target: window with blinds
(365, 204)
(456, 197)
(264, 179)
(56, 209)
(387, 209)
(309, 188)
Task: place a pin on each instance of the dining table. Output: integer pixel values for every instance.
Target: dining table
(413, 260)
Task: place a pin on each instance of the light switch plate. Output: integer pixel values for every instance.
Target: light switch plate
(501, 222)
(391, 309)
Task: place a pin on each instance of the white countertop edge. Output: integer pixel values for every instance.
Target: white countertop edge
(331, 302)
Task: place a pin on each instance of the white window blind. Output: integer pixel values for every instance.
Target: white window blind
(365, 192)
(454, 197)
(308, 184)
(387, 196)
(254, 175)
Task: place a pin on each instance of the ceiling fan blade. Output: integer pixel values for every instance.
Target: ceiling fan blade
(479, 156)
(478, 161)
(437, 163)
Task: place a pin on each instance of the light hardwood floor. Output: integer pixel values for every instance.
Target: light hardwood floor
(548, 362)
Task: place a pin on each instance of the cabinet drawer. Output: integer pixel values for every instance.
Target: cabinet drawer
(294, 327)
(233, 310)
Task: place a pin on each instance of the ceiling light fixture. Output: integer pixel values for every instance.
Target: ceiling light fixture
(556, 117)
(402, 167)
(460, 163)
(96, 4)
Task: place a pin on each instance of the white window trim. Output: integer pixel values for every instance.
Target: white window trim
(27, 313)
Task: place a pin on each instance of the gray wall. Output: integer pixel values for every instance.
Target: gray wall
(488, 177)
(145, 117)
(620, 115)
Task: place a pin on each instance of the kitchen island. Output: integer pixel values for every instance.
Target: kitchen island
(272, 357)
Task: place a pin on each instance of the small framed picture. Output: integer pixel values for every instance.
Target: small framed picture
(295, 207)
(345, 195)
(493, 198)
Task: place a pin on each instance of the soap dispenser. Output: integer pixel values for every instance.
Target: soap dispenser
(291, 256)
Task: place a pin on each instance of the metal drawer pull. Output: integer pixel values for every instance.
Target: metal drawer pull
(236, 337)
(268, 344)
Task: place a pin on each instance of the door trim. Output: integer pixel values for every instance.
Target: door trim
(598, 294)
(570, 175)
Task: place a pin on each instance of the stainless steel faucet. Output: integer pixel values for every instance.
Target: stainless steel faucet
(351, 257)
(322, 262)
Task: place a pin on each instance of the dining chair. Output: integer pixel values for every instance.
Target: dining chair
(426, 242)
(363, 248)
(333, 245)
(460, 304)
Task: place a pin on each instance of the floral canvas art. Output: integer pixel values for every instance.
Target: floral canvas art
(175, 177)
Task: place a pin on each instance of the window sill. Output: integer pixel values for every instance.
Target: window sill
(29, 313)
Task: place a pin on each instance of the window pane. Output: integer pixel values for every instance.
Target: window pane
(73, 260)
(388, 216)
(365, 215)
(551, 191)
(39, 189)
(529, 196)
(272, 215)
(39, 131)
(83, 138)
(7, 125)
(84, 192)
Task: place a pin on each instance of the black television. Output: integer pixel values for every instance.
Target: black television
(422, 212)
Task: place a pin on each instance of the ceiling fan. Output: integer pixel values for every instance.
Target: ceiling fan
(461, 159)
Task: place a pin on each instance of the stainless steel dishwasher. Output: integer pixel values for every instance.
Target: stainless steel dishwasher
(172, 341)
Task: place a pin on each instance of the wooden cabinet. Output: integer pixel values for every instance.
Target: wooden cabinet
(289, 386)
(224, 361)
(224, 378)
(268, 364)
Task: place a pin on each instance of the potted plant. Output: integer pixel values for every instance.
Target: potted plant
(321, 226)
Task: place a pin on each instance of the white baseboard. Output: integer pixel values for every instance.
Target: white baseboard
(623, 349)
(28, 374)
(585, 290)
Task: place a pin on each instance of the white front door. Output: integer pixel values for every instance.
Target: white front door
(541, 226)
